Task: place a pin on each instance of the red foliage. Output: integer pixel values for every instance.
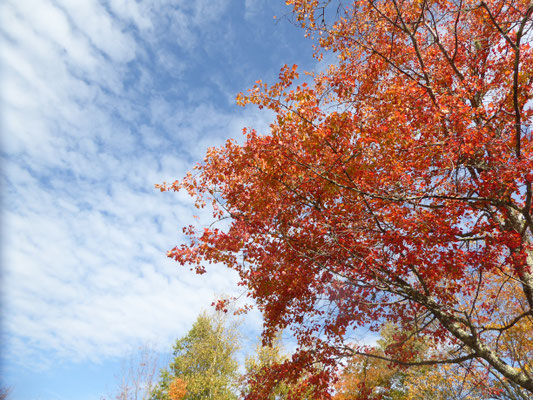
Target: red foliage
(388, 186)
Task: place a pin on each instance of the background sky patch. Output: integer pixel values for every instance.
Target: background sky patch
(100, 100)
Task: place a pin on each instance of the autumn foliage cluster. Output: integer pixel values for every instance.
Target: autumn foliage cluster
(395, 187)
(177, 389)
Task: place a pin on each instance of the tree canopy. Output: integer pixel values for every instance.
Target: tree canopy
(204, 365)
(393, 187)
(371, 377)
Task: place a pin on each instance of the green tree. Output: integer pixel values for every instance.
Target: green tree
(204, 361)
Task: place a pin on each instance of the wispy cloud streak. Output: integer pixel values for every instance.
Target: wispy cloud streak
(95, 110)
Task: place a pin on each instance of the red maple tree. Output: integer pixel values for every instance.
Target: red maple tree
(388, 188)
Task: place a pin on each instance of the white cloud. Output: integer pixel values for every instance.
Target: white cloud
(85, 274)
(87, 281)
(253, 7)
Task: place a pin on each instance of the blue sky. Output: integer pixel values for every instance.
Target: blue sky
(100, 100)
